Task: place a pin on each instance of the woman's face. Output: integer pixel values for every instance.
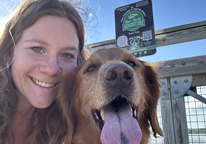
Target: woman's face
(43, 55)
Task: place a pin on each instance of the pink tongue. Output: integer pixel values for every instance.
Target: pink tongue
(120, 127)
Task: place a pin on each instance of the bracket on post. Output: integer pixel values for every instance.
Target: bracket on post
(179, 87)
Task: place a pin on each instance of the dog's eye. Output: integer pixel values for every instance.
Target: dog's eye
(131, 63)
(91, 68)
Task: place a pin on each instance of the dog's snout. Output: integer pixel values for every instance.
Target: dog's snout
(118, 75)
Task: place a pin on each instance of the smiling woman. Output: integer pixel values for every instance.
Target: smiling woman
(44, 46)
(40, 44)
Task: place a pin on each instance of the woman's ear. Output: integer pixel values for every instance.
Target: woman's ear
(152, 81)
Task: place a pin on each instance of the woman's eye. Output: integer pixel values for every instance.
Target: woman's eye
(37, 49)
(67, 56)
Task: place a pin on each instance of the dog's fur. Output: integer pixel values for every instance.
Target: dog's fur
(85, 89)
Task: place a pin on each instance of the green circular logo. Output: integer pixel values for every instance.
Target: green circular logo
(133, 21)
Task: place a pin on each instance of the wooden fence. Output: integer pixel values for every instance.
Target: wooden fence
(178, 76)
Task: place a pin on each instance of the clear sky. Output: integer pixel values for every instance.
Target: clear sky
(167, 13)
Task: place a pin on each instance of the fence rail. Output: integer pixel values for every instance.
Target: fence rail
(174, 35)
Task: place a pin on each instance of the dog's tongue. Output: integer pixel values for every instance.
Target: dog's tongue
(120, 127)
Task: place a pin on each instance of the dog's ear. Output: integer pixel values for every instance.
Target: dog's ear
(66, 93)
(152, 82)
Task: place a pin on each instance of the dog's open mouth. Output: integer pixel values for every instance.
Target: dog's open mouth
(118, 122)
(118, 103)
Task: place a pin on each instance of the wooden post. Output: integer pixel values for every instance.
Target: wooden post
(167, 122)
(166, 110)
(180, 122)
(173, 110)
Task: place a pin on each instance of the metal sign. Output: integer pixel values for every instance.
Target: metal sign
(135, 28)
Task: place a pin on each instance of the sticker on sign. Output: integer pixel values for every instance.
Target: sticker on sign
(122, 41)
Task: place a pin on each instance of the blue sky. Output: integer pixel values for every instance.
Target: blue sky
(167, 13)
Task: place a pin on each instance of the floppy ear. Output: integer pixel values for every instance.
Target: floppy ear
(66, 93)
(152, 81)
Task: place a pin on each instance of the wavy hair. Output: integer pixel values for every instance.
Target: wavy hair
(46, 125)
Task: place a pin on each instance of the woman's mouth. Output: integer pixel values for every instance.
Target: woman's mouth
(43, 84)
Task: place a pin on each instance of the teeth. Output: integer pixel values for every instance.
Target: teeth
(102, 114)
(47, 85)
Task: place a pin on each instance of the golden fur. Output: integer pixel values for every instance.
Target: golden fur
(84, 89)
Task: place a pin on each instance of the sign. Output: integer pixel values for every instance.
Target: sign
(135, 28)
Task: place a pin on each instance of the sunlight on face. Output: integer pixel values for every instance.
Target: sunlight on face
(43, 55)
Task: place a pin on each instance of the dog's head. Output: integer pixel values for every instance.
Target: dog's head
(111, 83)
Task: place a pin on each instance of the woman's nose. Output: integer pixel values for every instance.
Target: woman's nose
(51, 66)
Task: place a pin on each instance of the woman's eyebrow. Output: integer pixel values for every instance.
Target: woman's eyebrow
(70, 48)
(37, 41)
(73, 48)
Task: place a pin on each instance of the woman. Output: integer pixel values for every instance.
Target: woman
(42, 42)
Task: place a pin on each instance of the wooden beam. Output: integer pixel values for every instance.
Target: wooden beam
(199, 80)
(180, 67)
(179, 34)
(174, 35)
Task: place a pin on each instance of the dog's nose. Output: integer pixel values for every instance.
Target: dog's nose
(118, 75)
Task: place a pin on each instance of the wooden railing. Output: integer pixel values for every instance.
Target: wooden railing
(174, 35)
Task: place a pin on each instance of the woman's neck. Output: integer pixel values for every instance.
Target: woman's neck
(21, 119)
(20, 125)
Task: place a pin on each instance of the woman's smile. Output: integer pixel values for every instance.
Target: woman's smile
(43, 84)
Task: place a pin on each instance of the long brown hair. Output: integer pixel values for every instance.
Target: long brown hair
(46, 125)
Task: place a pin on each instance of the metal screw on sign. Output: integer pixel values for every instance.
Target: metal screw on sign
(186, 80)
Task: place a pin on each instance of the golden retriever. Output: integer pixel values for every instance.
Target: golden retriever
(110, 99)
